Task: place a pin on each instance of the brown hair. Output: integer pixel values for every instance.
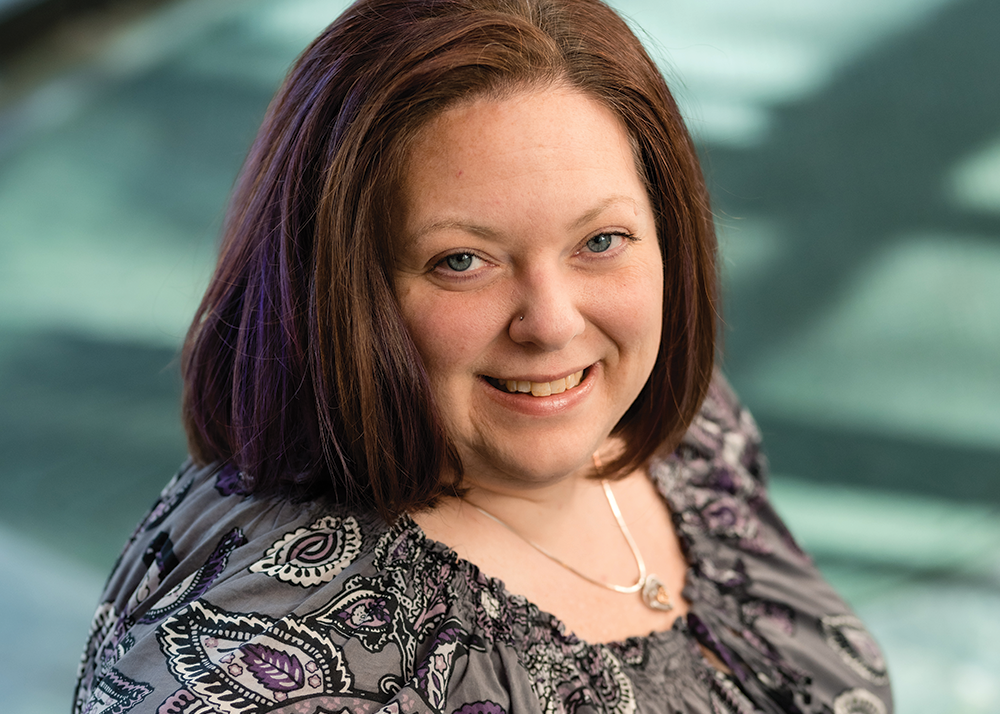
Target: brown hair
(297, 368)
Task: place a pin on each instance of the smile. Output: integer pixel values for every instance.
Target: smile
(538, 389)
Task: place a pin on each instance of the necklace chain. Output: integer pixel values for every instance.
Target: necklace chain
(654, 593)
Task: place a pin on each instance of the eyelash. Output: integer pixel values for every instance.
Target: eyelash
(624, 235)
(441, 265)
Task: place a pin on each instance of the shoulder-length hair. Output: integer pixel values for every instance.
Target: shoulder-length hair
(297, 368)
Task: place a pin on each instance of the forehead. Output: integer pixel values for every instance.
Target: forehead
(490, 155)
(532, 119)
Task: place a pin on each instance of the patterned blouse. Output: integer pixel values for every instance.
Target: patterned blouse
(223, 602)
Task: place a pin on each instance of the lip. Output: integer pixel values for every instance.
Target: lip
(552, 405)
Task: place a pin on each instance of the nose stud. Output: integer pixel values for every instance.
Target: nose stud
(520, 318)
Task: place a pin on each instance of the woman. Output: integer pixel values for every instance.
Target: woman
(457, 442)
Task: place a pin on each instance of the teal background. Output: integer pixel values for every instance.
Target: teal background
(853, 152)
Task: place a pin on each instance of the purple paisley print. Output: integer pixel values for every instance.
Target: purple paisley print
(229, 604)
(229, 481)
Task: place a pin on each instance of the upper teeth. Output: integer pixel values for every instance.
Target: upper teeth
(544, 389)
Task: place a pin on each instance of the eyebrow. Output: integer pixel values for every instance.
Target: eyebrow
(487, 232)
(601, 208)
(448, 224)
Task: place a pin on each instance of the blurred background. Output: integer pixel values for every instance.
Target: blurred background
(853, 152)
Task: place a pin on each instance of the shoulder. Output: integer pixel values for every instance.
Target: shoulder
(721, 451)
(724, 431)
(224, 602)
(758, 601)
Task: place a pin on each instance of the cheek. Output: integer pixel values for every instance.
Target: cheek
(449, 333)
(654, 307)
(429, 332)
(632, 309)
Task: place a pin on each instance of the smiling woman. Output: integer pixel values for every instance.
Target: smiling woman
(457, 441)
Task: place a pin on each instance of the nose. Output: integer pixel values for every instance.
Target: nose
(550, 311)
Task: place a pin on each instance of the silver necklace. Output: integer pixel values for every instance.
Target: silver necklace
(650, 587)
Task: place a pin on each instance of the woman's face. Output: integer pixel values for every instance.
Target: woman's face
(530, 279)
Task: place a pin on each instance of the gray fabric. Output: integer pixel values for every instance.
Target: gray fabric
(223, 602)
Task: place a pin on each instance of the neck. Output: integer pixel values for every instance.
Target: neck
(536, 511)
(567, 551)
(528, 504)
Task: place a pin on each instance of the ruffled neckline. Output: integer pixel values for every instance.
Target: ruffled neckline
(525, 622)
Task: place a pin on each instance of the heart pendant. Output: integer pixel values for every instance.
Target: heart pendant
(655, 595)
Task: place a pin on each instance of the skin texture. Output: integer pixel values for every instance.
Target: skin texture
(528, 251)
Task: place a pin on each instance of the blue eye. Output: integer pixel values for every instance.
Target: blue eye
(600, 242)
(460, 262)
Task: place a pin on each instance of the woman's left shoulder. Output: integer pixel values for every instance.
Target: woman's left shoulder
(721, 450)
(725, 429)
(757, 597)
